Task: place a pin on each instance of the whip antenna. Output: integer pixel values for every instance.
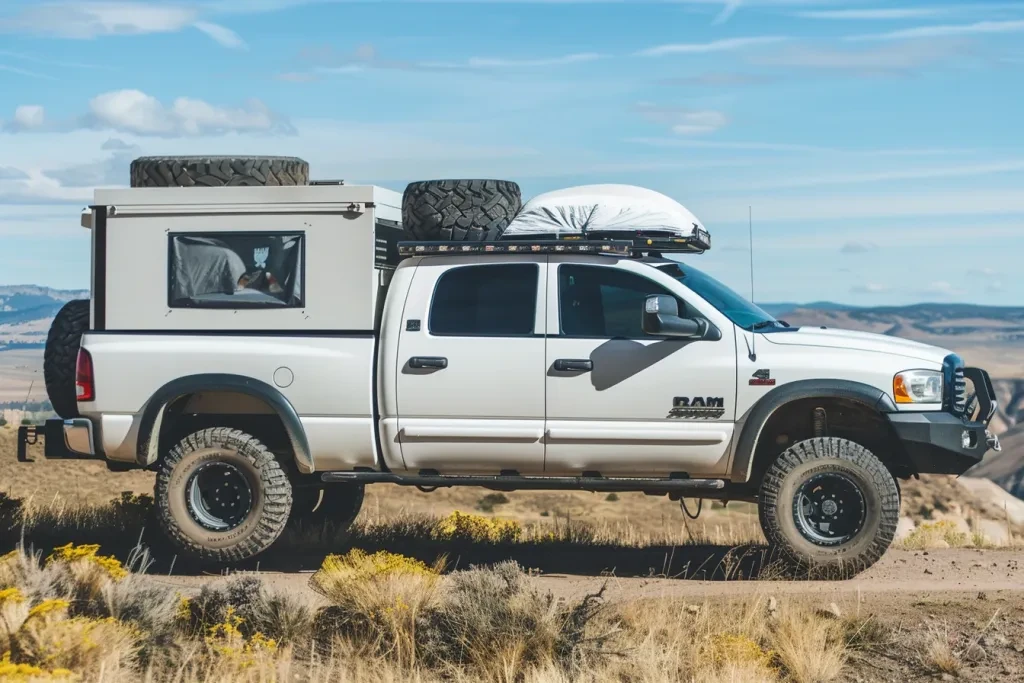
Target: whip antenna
(750, 233)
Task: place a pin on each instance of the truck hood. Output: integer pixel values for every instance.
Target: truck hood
(859, 341)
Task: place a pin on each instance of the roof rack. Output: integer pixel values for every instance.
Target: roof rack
(615, 243)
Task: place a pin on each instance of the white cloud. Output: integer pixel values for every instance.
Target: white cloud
(869, 288)
(697, 122)
(944, 31)
(684, 121)
(87, 20)
(221, 34)
(29, 116)
(24, 72)
(83, 20)
(497, 63)
(982, 272)
(8, 173)
(879, 13)
(889, 175)
(133, 111)
(859, 247)
(724, 45)
(729, 8)
(894, 58)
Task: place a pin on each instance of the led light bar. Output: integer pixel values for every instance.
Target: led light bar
(547, 246)
(615, 243)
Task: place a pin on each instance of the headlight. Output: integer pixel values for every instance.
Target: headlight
(918, 386)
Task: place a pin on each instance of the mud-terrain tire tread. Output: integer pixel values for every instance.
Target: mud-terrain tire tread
(207, 171)
(830, 448)
(276, 485)
(60, 357)
(460, 210)
(340, 505)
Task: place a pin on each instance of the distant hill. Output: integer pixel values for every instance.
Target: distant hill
(26, 312)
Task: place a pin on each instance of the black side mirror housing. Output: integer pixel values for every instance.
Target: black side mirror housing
(661, 318)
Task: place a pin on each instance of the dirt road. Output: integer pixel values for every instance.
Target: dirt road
(900, 575)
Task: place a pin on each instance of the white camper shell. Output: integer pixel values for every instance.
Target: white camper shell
(240, 258)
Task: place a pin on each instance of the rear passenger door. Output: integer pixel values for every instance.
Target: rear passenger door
(471, 366)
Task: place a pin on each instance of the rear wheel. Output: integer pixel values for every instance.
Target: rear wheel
(222, 496)
(830, 506)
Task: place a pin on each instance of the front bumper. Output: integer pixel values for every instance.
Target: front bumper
(940, 443)
(956, 439)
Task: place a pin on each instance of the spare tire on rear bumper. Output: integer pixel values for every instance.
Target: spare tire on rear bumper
(463, 210)
(218, 171)
(60, 358)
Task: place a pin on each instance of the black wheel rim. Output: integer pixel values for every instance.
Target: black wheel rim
(219, 496)
(829, 509)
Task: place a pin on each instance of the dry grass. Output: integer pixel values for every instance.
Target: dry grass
(385, 617)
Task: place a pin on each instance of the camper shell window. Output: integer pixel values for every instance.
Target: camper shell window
(236, 270)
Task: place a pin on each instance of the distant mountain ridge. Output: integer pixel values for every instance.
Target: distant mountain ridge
(26, 312)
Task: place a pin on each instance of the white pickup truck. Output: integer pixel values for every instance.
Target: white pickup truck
(591, 364)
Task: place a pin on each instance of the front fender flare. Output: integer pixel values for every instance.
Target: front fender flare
(155, 408)
(754, 420)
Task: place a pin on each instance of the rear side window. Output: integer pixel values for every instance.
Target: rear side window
(236, 270)
(497, 300)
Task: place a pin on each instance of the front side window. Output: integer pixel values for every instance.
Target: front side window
(236, 270)
(498, 300)
(598, 301)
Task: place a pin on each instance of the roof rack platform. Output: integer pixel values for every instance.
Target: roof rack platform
(613, 243)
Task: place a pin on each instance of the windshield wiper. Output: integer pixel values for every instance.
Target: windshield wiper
(763, 324)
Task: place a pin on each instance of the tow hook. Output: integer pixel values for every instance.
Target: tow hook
(993, 441)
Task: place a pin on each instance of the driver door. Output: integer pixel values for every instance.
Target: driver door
(619, 401)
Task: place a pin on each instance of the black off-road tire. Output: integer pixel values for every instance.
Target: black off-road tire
(338, 506)
(269, 485)
(60, 358)
(463, 210)
(218, 171)
(777, 501)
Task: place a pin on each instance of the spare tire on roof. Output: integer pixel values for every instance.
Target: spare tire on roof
(201, 171)
(463, 210)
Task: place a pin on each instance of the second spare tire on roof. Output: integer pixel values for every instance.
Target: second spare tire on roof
(206, 171)
(462, 210)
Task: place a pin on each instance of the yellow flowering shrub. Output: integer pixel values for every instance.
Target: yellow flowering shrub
(80, 643)
(732, 651)
(356, 565)
(86, 554)
(11, 595)
(226, 640)
(13, 672)
(55, 607)
(477, 528)
(935, 534)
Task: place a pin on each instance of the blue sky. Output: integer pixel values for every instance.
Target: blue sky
(879, 143)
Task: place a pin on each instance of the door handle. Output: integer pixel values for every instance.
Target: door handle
(574, 365)
(428, 362)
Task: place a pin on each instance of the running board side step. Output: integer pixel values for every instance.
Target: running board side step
(510, 482)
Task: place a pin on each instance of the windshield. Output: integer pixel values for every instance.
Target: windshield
(730, 304)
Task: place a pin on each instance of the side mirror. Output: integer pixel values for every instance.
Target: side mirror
(661, 317)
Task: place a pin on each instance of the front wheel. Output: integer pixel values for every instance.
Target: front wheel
(222, 496)
(830, 506)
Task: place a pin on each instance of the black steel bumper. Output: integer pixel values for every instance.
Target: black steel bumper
(940, 443)
(946, 442)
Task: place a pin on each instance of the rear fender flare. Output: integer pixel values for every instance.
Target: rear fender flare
(155, 409)
(753, 422)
